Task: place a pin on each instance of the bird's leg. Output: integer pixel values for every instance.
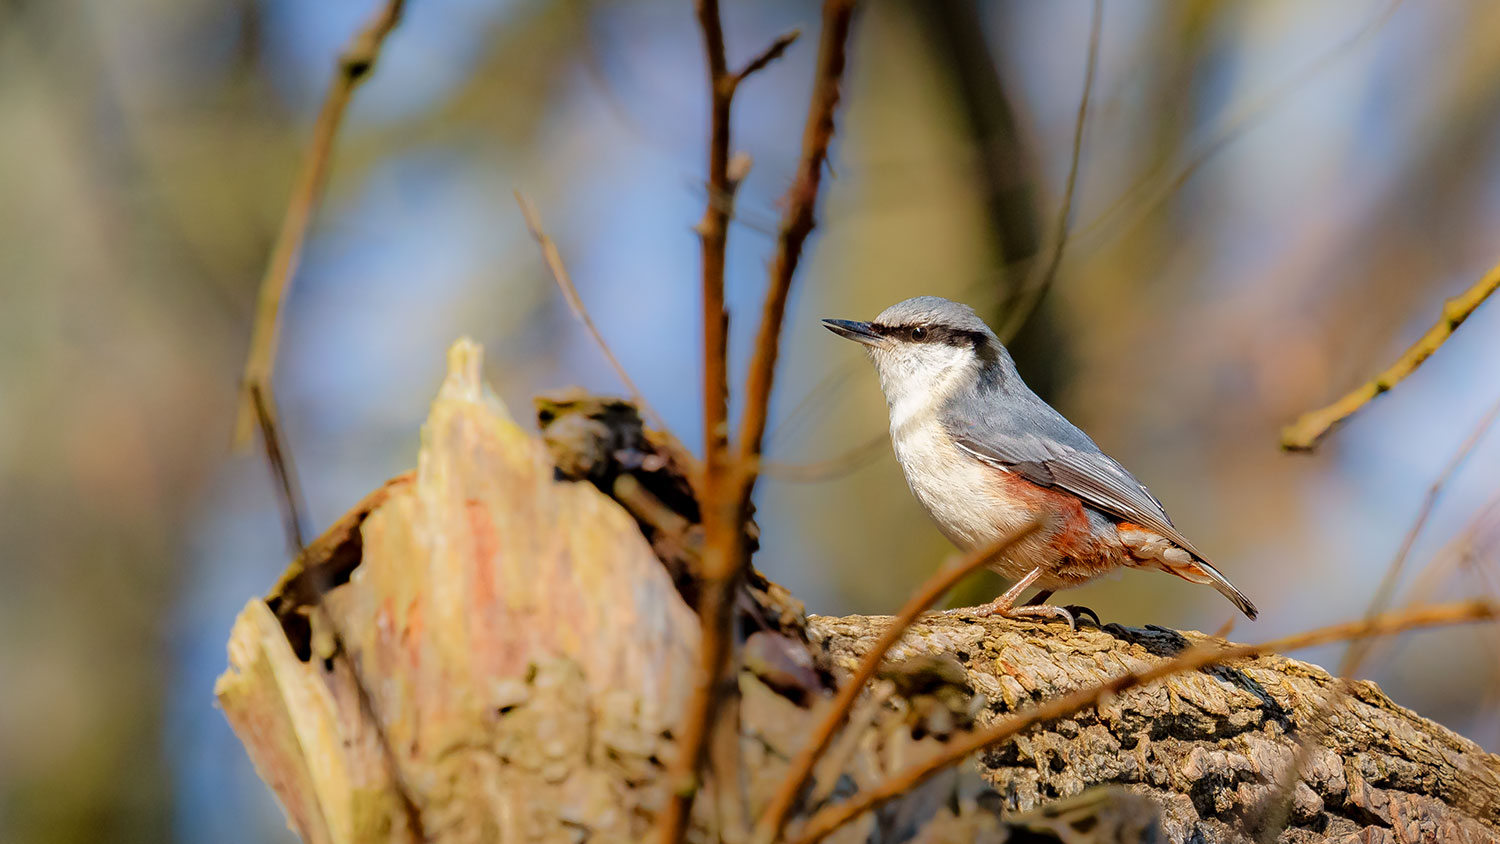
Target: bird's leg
(1005, 605)
(1077, 610)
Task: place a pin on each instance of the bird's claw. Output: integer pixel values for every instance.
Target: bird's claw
(1043, 612)
(1080, 611)
(1037, 612)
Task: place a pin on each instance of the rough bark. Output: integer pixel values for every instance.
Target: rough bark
(497, 646)
(1210, 747)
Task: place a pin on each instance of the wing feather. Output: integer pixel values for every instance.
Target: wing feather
(1095, 477)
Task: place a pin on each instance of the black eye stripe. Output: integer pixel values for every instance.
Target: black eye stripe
(934, 334)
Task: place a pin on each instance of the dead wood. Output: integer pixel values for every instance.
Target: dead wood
(517, 617)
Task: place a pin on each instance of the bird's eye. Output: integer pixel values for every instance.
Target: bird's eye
(919, 333)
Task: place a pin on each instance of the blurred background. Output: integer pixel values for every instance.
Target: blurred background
(1272, 200)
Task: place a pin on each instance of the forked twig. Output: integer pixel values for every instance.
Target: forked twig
(773, 819)
(559, 271)
(354, 65)
(796, 224)
(770, 54)
(827, 820)
(1313, 426)
(724, 554)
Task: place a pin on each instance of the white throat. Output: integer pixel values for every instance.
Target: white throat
(918, 381)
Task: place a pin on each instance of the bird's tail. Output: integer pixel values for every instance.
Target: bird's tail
(1201, 571)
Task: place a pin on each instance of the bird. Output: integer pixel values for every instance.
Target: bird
(984, 455)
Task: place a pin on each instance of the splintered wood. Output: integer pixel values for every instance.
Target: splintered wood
(481, 650)
(520, 648)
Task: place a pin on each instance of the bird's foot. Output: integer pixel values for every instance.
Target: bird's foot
(1044, 612)
(1077, 610)
(1040, 612)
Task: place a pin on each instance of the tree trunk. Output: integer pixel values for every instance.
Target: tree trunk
(491, 649)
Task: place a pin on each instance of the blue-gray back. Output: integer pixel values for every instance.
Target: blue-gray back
(1002, 422)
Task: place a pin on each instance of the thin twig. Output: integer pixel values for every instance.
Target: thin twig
(724, 552)
(824, 470)
(719, 532)
(1311, 427)
(1277, 810)
(1240, 121)
(813, 401)
(796, 224)
(1031, 295)
(354, 66)
(729, 487)
(830, 819)
(559, 271)
(1027, 299)
(1355, 656)
(773, 819)
(293, 507)
(1458, 553)
(770, 54)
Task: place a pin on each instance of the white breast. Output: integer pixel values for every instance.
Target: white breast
(958, 492)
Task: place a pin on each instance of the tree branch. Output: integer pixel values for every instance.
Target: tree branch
(1277, 812)
(826, 821)
(724, 555)
(524, 654)
(1313, 426)
(774, 818)
(1355, 656)
(796, 224)
(770, 54)
(354, 65)
(293, 508)
(1031, 295)
(559, 272)
(728, 488)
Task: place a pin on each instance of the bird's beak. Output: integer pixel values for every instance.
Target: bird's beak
(859, 332)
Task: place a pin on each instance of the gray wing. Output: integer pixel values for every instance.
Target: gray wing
(1039, 450)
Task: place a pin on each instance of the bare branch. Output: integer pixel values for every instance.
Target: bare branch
(774, 818)
(830, 819)
(1355, 656)
(1027, 299)
(726, 489)
(1313, 426)
(796, 224)
(293, 508)
(559, 271)
(720, 528)
(1239, 122)
(1277, 810)
(1031, 296)
(354, 66)
(770, 54)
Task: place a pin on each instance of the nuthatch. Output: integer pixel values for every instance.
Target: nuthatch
(983, 455)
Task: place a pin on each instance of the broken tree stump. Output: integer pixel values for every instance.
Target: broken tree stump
(497, 647)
